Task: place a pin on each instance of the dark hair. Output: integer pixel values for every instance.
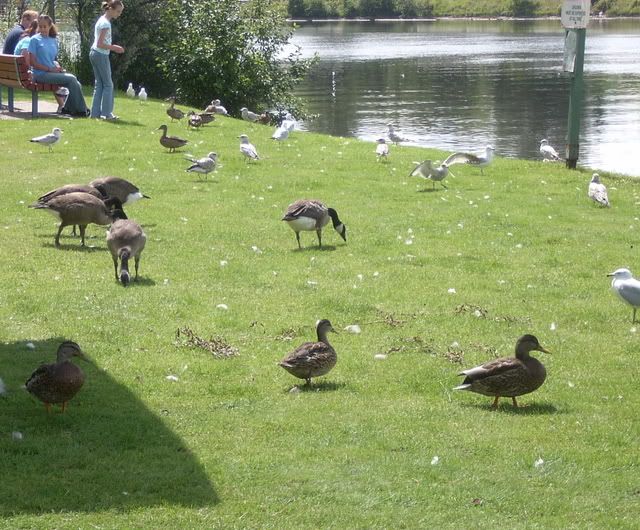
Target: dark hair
(111, 4)
(31, 30)
(53, 31)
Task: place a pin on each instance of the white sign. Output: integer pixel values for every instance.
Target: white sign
(575, 14)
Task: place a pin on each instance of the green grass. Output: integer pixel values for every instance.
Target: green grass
(228, 446)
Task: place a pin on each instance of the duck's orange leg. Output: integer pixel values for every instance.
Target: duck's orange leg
(495, 402)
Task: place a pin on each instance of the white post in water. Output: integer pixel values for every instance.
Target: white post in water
(574, 18)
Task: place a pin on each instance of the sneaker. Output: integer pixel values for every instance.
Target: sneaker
(112, 117)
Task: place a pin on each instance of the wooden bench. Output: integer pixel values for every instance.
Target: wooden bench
(14, 73)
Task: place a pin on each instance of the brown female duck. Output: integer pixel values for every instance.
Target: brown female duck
(58, 382)
(312, 359)
(171, 142)
(508, 376)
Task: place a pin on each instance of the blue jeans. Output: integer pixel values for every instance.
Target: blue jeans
(103, 91)
(75, 100)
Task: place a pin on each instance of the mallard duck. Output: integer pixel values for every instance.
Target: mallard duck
(171, 142)
(125, 239)
(206, 117)
(195, 120)
(126, 192)
(81, 209)
(60, 381)
(172, 112)
(308, 215)
(312, 359)
(508, 376)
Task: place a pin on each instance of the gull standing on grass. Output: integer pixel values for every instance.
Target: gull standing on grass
(627, 288)
(382, 150)
(204, 165)
(480, 161)
(280, 134)
(131, 93)
(142, 95)
(247, 115)
(49, 139)
(598, 191)
(394, 136)
(548, 152)
(247, 149)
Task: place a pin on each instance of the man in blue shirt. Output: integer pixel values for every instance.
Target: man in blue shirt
(14, 34)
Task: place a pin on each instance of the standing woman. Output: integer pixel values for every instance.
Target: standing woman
(102, 105)
(43, 49)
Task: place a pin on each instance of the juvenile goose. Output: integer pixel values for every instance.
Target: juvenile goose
(247, 148)
(203, 165)
(312, 359)
(548, 152)
(247, 115)
(171, 142)
(79, 208)
(598, 191)
(58, 382)
(125, 191)
(480, 161)
(308, 215)
(172, 112)
(125, 239)
(627, 288)
(48, 139)
(508, 376)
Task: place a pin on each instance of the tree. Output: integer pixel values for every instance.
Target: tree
(232, 50)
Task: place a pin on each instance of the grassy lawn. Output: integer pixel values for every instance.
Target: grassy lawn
(228, 445)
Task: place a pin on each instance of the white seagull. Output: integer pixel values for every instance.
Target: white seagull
(382, 149)
(280, 134)
(48, 139)
(480, 161)
(288, 124)
(204, 165)
(216, 108)
(393, 136)
(627, 288)
(142, 95)
(548, 152)
(247, 149)
(131, 93)
(598, 191)
(248, 115)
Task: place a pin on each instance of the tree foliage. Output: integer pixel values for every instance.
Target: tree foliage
(232, 50)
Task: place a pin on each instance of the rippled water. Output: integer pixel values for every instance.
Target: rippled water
(459, 85)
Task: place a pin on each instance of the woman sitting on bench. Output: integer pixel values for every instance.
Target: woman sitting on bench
(43, 49)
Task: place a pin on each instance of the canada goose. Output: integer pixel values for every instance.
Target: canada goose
(598, 191)
(247, 115)
(172, 112)
(312, 359)
(125, 238)
(480, 161)
(627, 288)
(171, 142)
(508, 376)
(58, 382)
(48, 139)
(203, 165)
(382, 149)
(82, 209)
(247, 148)
(123, 190)
(308, 215)
(548, 152)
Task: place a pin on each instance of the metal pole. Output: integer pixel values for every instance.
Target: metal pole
(575, 102)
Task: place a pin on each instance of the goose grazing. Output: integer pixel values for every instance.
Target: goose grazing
(312, 359)
(382, 150)
(393, 135)
(131, 93)
(125, 191)
(627, 288)
(548, 152)
(48, 139)
(172, 112)
(247, 148)
(79, 208)
(125, 239)
(58, 382)
(480, 161)
(308, 215)
(171, 142)
(508, 376)
(598, 191)
(142, 95)
(247, 115)
(204, 165)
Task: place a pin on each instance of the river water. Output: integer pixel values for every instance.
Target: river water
(462, 84)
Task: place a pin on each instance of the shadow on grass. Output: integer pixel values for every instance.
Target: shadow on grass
(128, 123)
(431, 190)
(322, 386)
(505, 407)
(140, 282)
(315, 248)
(76, 247)
(107, 451)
